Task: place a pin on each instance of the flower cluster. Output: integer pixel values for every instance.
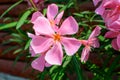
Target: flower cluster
(51, 37)
(110, 12)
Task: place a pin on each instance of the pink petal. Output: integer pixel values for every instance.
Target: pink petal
(71, 45)
(100, 10)
(32, 52)
(118, 41)
(39, 63)
(95, 43)
(69, 26)
(41, 44)
(35, 16)
(58, 18)
(85, 54)
(111, 34)
(96, 2)
(55, 55)
(114, 44)
(47, 64)
(52, 11)
(95, 32)
(42, 26)
(30, 35)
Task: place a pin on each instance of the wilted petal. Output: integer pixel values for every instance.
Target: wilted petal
(40, 44)
(85, 54)
(69, 26)
(95, 32)
(42, 26)
(114, 44)
(111, 34)
(71, 45)
(35, 16)
(52, 11)
(39, 63)
(55, 55)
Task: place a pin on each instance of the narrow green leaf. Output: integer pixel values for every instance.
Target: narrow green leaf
(7, 26)
(11, 7)
(27, 45)
(17, 51)
(23, 19)
(77, 69)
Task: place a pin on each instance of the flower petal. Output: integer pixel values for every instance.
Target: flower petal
(96, 2)
(96, 43)
(32, 52)
(30, 35)
(111, 34)
(39, 63)
(71, 45)
(69, 26)
(35, 16)
(55, 55)
(40, 44)
(114, 44)
(58, 18)
(95, 32)
(52, 11)
(118, 41)
(42, 26)
(85, 54)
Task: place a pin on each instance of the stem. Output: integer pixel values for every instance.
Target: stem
(78, 68)
(34, 6)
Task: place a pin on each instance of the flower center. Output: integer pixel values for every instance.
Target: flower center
(57, 37)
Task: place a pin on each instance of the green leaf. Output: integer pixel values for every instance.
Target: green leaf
(17, 51)
(77, 68)
(23, 18)
(14, 5)
(7, 26)
(27, 44)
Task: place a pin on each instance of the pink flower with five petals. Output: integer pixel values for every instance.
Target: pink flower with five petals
(48, 38)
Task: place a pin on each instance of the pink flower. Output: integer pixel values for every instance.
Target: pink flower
(48, 38)
(116, 39)
(111, 15)
(52, 14)
(91, 42)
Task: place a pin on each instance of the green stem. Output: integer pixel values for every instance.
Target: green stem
(34, 6)
(78, 68)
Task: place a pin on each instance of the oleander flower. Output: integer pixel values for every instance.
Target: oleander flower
(48, 38)
(116, 39)
(52, 15)
(91, 42)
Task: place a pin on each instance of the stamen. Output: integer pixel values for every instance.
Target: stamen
(57, 37)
